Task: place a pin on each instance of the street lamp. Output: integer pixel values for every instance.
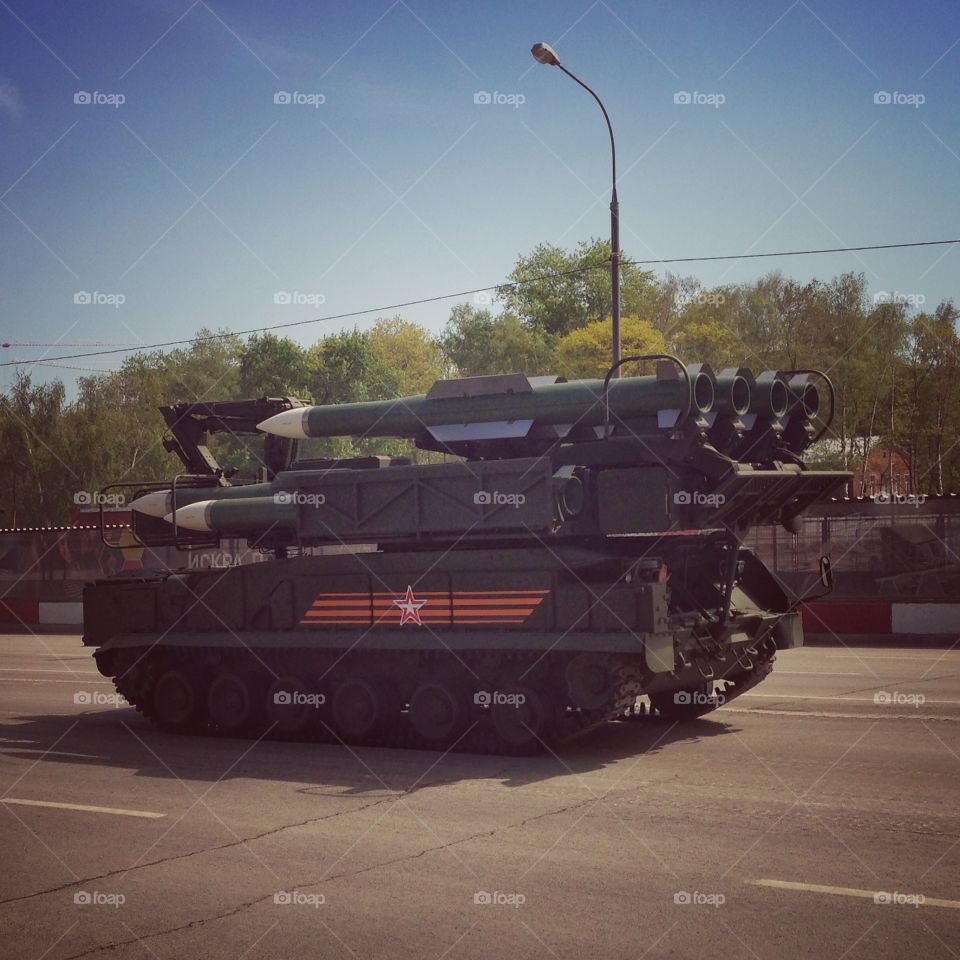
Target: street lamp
(544, 53)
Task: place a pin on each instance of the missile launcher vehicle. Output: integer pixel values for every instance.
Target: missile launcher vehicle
(562, 555)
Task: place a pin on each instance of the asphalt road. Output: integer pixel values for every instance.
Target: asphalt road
(766, 830)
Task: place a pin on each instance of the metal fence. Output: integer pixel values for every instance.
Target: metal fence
(905, 547)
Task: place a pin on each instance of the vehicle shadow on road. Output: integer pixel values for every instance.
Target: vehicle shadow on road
(120, 738)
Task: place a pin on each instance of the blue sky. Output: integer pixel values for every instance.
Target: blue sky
(198, 198)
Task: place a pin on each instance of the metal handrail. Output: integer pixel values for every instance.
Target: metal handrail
(639, 357)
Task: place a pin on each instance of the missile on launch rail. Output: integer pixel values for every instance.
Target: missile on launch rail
(511, 398)
(238, 517)
(160, 502)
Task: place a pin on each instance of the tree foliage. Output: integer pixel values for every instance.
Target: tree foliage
(895, 371)
(410, 351)
(555, 291)
(476, 343)
(585, 352)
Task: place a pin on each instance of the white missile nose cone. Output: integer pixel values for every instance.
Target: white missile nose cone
(194, 516)
(156, 504)
(290, 423)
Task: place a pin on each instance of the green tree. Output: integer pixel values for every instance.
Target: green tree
(929, 406)
(475, 342)
(556, 291)
(347, 367)
(116, 430)
(666, 303)
(272, 366)
(410, 350)
(586, 351)
(42, 481)
(706, 330)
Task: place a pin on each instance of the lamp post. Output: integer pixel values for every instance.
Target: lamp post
(544, 53)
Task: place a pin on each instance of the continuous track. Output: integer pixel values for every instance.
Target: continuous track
(501, 702)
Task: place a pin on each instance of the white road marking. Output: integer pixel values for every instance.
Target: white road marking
(835, 715)
(79, 673)
(883, 656)
(854, 892)
(815, 673)
(76, 681)
(800, 696)
(146, 814)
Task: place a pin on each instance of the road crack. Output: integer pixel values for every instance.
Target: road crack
(406, 858)
(195, 853)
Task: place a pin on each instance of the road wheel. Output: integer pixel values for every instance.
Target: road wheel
(592, 680)
(523, 716)
(233, 704)
(361, 709)
(440, 712)
(177, 701)
(290, 707)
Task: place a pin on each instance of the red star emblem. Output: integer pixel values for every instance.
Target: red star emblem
(410, 608)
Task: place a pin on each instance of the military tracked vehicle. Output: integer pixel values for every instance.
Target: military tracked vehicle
(575, 556)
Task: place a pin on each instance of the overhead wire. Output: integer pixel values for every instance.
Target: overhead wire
(466, 293)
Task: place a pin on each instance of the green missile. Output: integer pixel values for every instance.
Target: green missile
(239, 517)
(508, 398)
(160, 502)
